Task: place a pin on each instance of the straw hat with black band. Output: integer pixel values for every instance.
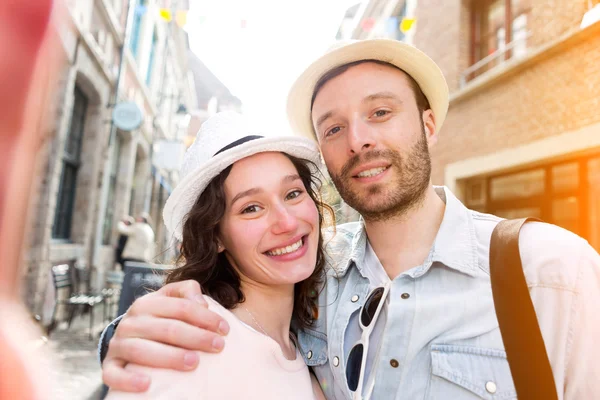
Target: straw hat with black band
(221, 141)
(406, 57)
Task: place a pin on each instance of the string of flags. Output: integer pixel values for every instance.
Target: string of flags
(393, 24)
(181, 18)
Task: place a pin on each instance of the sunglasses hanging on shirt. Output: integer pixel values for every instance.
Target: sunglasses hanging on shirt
(357, 359)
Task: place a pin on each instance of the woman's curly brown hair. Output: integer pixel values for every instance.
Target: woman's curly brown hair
(200, 260)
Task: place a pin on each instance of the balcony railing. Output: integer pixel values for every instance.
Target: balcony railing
(493, 60)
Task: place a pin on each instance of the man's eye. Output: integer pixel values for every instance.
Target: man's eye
(333, 131)
(251, 209)
(294, 194)
(381, 113)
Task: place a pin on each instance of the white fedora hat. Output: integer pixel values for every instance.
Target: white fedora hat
(406, 57)
(221, 141)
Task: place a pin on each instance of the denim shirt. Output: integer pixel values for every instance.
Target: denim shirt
(442, 341)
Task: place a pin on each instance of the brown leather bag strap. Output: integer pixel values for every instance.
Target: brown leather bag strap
(525, 349)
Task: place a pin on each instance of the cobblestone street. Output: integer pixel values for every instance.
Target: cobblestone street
(78, 374)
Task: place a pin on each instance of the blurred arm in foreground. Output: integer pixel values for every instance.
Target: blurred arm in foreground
(25, 79)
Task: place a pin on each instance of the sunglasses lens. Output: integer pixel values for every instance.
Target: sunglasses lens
(353, 366)
(370, 307)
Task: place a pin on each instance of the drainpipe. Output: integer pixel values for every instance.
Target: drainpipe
(150, 185)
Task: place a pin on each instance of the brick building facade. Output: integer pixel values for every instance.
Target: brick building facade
(522, 136)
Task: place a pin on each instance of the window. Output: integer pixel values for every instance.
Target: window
(110, 204)
(593, 183)
(70, 165)
(476, 194)
(518, 185)
(132, 200)
(151, 59)
(134, 183)
(140, 11)
(498, 32)
(564, 193)
(519, 35)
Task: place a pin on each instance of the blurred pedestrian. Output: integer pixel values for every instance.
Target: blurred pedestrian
(122, 241)
(140, 240)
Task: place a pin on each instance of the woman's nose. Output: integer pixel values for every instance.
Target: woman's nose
(284, 220)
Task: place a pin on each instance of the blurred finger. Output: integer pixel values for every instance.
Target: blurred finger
(116, 377)
(178, 309)
(189, 289)
(153, 354)
(172, 332)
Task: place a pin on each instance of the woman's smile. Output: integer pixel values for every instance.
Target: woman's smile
(289, 252)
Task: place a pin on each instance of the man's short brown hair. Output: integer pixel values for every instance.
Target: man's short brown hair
(421, 99)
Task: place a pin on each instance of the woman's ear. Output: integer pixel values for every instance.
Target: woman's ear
(220, 247)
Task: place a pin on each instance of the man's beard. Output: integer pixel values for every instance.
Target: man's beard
(383, 201)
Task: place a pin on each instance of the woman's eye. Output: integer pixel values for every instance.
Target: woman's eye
(251, 209)
(381, 113)
(293, 194)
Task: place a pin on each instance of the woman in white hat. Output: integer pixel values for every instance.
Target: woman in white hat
(248, 214)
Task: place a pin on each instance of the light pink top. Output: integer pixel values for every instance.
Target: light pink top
(251, 366)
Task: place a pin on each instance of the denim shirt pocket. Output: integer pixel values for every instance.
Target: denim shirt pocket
(465, 372)
(313, 346)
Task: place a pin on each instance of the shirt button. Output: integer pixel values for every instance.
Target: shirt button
(490, 387)
(309, 354)
(405, 296)
(336, 361)
(354, 298)
(394, 363)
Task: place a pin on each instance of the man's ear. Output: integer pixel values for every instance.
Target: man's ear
(430, 127)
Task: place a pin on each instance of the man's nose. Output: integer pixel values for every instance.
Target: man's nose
(360, 136)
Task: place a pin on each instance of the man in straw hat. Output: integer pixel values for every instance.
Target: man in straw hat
(408, 311)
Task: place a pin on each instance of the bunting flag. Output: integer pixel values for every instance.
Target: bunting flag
(165, 14)
(407, 24)
(140, 10)
(367, 24)
(181, 18)
(392, 25)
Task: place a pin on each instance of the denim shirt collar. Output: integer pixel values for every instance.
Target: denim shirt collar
(356, 236)
(455, 245)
